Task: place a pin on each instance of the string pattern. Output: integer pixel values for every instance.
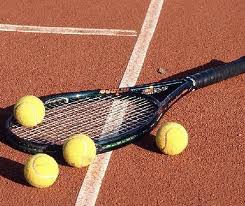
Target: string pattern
(100, 117)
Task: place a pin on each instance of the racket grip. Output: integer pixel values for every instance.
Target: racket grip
(217, 74)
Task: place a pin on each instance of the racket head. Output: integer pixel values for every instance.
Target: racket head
(57, 127)
(112, 118)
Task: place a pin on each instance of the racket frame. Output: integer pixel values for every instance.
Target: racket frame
(115, 141)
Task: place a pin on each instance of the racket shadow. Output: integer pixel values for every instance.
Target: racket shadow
(4, 114)
(13, 171)
(147, 142)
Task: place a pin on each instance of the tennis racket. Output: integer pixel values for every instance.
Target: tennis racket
(112, 118)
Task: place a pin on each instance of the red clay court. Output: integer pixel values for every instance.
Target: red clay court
(50, 47)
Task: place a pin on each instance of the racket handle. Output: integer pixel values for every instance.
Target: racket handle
(217, 74)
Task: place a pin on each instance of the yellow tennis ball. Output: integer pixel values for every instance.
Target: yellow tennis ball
(79, 150)
(41, 170)
(29, 111)
(172, 138)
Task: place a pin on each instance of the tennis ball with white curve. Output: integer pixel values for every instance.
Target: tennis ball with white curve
(172, 138)
(79, 150)
(29, 111)
(41, 170)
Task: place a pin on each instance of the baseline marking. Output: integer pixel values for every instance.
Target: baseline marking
(92, 182)
(66, 30)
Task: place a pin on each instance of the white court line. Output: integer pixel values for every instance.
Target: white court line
(66, 30)
(92, 182)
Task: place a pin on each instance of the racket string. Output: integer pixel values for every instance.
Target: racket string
(72, 107)
(89, 118)
(126, 125)
(99, 117)
(100, 121)
(82, 106)
(90, 130)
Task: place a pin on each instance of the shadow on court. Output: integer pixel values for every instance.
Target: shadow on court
(147, 142)
(9, 169)
(4, 114)
(12, 170)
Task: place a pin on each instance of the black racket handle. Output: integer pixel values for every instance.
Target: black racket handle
(217, 74)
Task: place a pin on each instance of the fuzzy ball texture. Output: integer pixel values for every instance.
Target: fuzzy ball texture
(172, 138)
(29, 111)
(41, 170)
(79, 150)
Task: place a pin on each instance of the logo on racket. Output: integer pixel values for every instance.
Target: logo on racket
(154, 90)
(56, 102)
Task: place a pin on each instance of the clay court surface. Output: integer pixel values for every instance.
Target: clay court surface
(106, 39)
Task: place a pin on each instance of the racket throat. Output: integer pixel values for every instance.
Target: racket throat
(169, 99)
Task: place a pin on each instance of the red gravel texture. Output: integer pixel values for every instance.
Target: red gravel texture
(189, 34)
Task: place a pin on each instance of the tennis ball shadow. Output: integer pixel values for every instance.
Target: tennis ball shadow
(12, 170)
(147, 142)
(59, 158)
